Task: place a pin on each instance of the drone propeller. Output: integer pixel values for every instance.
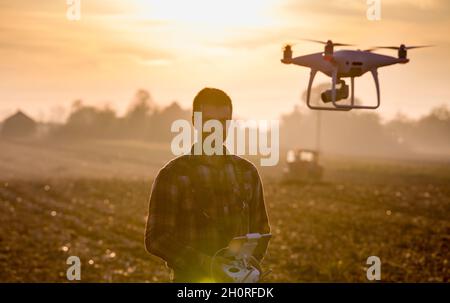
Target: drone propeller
(326, 42)
(289, 44)
(398, 47)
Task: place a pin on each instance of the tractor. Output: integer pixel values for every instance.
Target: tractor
(303, 166)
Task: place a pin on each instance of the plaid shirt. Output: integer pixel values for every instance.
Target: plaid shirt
(198, 204)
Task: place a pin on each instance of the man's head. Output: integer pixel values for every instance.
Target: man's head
(214, 104)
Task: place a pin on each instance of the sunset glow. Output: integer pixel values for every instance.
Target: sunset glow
(209, 14)
(174, 48)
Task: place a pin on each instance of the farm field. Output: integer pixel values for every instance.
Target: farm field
(397, 210)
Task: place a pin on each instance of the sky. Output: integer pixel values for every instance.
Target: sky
(174, 48)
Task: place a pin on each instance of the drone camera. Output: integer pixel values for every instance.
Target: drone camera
(341, 93)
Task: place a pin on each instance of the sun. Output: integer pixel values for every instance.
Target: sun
(217, 14)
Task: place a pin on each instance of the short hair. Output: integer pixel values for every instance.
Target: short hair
(211, 96)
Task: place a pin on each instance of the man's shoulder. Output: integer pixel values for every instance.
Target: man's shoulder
(184, 162)
(244, 164)
(176, 165)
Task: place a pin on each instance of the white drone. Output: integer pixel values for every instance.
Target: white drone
(345, 64)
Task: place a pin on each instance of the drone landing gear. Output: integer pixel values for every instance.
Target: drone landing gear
(334, 95)
(312, 75)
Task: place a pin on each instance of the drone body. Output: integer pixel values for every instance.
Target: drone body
(344, 64)
(349, 63)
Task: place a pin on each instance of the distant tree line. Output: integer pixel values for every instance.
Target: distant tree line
(364, 133)
(143, 121)
(350, 133)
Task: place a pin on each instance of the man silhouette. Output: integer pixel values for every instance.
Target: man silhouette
(199, 203)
